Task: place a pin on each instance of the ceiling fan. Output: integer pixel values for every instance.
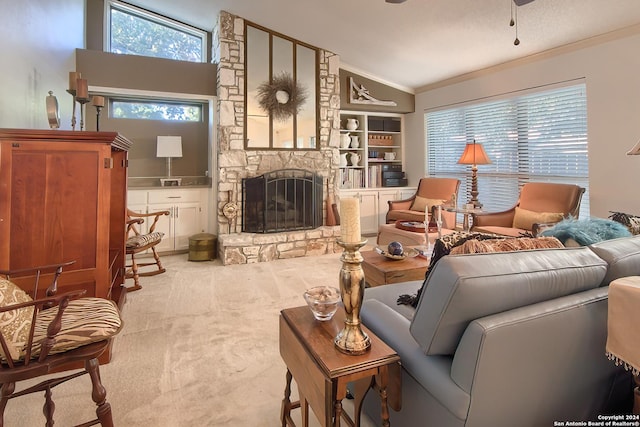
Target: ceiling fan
(521, 2)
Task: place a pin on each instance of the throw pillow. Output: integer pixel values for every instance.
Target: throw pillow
(632, 222)
(586, 231)
(14, 324)
(506, 245)
(525, 219)
(421, 203)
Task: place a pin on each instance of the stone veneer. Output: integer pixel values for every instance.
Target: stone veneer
(235, 163)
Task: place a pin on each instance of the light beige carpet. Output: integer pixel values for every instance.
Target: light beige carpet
(199, 348)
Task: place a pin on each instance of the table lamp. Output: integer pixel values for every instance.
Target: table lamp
(474, 155)
(169, 147)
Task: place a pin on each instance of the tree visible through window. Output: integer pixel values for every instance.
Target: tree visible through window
(134, 31)
(153, 110)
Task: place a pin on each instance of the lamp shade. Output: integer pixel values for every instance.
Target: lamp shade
(169, 146)
(474, 154)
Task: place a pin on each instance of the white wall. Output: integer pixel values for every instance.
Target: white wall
(611, 69)
(37, 41)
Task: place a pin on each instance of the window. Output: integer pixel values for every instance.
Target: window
(538, 137)
(135, 31)
(154, 110)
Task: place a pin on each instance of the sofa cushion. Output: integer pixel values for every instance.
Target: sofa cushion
(586, 231)
(622, 255)
(503, 231)
(14, 324)
(525, 219)
(421, 203)
(462, 288)
(506, 245)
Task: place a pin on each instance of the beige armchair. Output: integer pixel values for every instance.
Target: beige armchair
(539, 203)
(431, 191)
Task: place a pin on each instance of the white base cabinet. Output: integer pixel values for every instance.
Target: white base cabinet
(374, 206)
(188, 213)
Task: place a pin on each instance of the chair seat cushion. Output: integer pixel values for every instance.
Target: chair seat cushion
(525, 219)
(14, 324)
(141, 240)
(84, 321)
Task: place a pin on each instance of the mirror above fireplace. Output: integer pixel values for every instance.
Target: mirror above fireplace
(281, 92)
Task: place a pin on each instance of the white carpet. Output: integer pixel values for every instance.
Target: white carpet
(199, 348)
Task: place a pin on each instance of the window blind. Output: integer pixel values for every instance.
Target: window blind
(538, 137)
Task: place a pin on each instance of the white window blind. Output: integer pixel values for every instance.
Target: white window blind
(540, 137)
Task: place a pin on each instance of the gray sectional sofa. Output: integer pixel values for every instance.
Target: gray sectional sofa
(506, 339)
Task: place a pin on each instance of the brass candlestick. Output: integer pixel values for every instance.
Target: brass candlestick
(352, 339)
(72, 92)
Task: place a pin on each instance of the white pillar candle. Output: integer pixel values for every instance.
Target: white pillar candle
(350, 220)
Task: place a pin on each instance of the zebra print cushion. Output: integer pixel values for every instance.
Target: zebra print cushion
(84, 321)
(144, 239)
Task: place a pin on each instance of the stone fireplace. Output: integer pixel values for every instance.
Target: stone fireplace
(235, 164)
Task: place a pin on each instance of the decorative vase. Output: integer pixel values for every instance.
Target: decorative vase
(345, 140)
(343, 159)
(355, 141)
(352, 339)
(352, 124)
(354, 159)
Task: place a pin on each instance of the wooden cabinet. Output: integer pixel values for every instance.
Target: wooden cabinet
(374, 206)
(62, 198)
(370, 143)
(188, 208)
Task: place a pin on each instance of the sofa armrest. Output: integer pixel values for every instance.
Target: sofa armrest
(432, 372)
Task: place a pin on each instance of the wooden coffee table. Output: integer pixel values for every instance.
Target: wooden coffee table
(379, 270)
(322, 372)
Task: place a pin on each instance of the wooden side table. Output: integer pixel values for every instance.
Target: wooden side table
(379, 270)
(322, 372)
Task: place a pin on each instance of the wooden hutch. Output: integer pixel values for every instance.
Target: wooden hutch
(62, 198)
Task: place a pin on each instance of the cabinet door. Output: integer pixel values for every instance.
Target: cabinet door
(385, 196)
(166, 225)
(368, 212)
(187, 220)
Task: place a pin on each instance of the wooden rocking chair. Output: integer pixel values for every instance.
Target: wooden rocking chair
(138, 242)
(54, 333)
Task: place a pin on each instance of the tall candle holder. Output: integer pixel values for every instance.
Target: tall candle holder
(352, 339)
(72, 92)
(98, 109)
(82, 101)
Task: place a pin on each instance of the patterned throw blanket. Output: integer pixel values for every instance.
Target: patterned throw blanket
(470, 242)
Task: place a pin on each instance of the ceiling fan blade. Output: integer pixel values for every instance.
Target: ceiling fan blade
(395, 1)
(521, 2)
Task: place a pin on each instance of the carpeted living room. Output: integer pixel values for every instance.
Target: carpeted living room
(195, 181)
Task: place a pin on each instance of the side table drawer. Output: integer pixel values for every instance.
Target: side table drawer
(315, 386)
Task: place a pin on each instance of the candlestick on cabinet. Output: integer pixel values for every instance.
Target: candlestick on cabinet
(73, 84)
(98, 102)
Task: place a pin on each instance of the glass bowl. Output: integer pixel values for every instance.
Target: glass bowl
(323, 301)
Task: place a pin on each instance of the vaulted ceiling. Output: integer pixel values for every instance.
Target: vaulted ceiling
(418, 42)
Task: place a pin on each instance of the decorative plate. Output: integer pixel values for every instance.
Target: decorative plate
(409, 253)
(53, 112)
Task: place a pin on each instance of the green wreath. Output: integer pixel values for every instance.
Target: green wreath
(282, 98)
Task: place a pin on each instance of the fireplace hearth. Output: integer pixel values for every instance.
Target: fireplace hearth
(282, 200)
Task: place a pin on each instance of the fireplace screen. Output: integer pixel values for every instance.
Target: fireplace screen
(284, 200)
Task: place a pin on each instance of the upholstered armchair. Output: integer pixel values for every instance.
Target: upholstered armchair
(539, 203)
(430, 192)
(42, 332)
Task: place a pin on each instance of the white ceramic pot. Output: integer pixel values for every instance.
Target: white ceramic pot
(352, 124)
(355, 141)
(345, 140)
(343, 159)
(355, 159)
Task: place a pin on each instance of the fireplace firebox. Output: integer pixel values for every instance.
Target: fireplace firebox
(282, 200)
